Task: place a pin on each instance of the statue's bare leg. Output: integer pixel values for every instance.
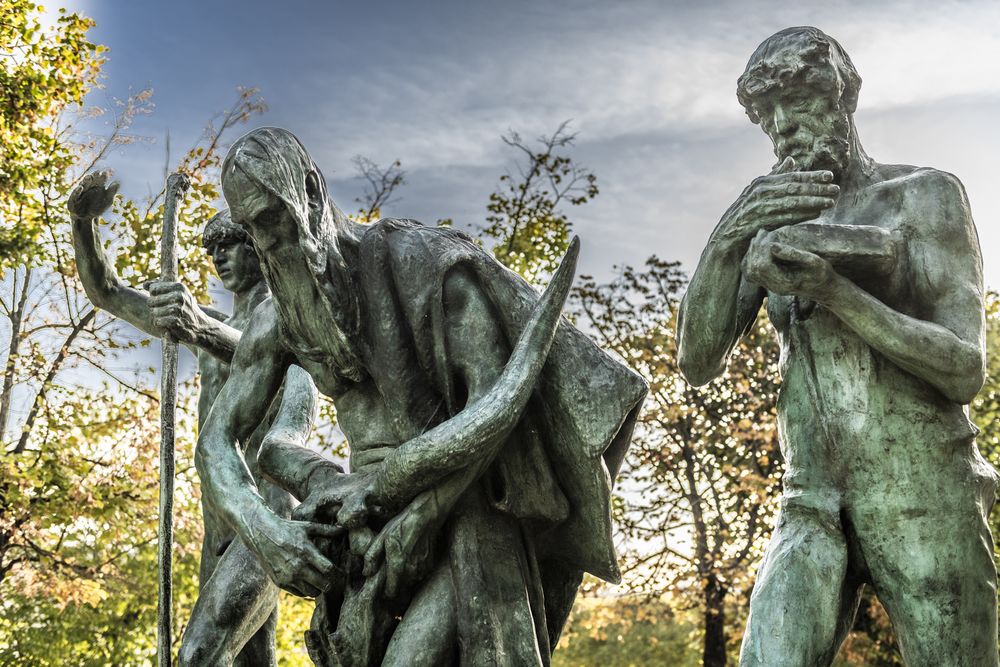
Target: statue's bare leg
(931, 557)
(235, 618)
(234, 605)
(805, 596)
(426, 636)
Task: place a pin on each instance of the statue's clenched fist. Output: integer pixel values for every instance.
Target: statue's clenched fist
(93, 195)
(173, 308)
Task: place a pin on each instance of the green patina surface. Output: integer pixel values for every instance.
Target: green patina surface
(872, 277)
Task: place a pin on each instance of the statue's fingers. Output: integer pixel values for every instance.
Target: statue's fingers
(312, 569)
(394, 562)
(818, 176)
(112, 190)
(353, 514)
(322, 529)
(318, 508)
(787, 253)
(360, 539)
(302, 512)
(164, 287)
(373, 557)
(303, 589)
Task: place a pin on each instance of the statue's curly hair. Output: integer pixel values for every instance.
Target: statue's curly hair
(770, 66)
(220, 228)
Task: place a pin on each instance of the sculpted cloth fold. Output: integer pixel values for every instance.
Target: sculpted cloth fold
(517, 543)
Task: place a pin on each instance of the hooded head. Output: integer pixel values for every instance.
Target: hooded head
(277, 193)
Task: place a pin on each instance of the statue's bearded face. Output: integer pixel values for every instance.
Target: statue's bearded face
(802, 92)
(261, 213)
(808, 125)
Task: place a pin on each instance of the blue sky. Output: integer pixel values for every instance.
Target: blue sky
(649, 86)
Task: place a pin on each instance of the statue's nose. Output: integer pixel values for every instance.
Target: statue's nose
(784, 123)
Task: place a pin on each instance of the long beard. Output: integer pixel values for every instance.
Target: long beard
(832, 153)
(318, 312)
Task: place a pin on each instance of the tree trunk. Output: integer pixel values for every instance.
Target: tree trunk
(714, 653)
(10, 368)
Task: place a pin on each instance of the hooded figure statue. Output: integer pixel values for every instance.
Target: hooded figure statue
(485, 432)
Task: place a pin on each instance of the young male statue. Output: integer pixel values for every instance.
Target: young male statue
(237, 607)
(873, 280)
(479, 489)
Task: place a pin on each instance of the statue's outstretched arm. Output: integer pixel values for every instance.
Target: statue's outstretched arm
(498, 385)
(171, 308)
(283, 457)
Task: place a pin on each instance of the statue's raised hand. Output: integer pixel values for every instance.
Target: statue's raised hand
(783, 197)
(92, 196)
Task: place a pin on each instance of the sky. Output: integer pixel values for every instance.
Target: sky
(649, 88)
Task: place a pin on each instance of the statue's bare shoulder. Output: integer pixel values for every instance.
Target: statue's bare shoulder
(263, 336)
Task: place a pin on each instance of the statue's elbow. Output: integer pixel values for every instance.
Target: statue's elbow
(968, 379)
(696, 371)
(963, 390)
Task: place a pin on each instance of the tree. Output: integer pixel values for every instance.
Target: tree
(696, 496)
(43, 74)
(380, 186)
(78, 474)
(529, 230)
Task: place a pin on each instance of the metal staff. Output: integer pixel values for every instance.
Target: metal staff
(177, 185)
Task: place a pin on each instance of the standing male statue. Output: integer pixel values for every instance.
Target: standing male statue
(480, 468)
(873, 280)
(236, 613)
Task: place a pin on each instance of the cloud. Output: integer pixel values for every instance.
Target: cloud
(635, 68)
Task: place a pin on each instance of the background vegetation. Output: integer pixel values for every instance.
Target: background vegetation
(78, 424)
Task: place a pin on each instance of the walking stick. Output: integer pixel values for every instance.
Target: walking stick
(177, 185)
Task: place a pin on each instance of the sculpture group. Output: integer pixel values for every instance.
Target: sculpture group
(485, 432)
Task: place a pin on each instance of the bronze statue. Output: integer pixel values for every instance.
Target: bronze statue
(481, 460)
(872, 276)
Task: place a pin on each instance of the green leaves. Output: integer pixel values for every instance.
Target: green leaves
(45, 73)
(525, 218)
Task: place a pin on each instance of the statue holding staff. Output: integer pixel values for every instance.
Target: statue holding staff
(237, 607)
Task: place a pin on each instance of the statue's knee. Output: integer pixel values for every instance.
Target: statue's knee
(195, 652)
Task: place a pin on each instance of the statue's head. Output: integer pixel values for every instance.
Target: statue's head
(802, 89)
(277, 193)
(232, 253)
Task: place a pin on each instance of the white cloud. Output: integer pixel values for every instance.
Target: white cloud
(642, 68)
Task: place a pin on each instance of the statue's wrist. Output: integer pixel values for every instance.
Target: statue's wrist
(830, 292)
(251, 519)
(202, 330)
